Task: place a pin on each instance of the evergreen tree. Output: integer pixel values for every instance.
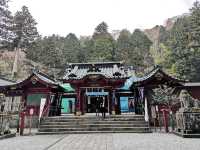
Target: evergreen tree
(124, 46)
(140, 55)
(6, 35)
(104, 49)
(86, 52)
(48, 51)
(104, 45)
(194, 26)
(101, 30)
(72, 48)
(184, 44)
(53, 54)
(24, 29)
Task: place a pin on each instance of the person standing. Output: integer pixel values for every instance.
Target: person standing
(103, 109)
(98, 106)
(131, 105)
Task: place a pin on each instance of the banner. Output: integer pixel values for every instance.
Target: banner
(42, 104)
(141, 93)
(146, 114)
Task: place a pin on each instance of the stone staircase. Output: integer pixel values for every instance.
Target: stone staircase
(93, 124)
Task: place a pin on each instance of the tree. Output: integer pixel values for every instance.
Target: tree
(103, 44)
(140, 55)
(124, 46)
(6, 35)
(48, 51)
(51, 53)
(184, 44)
(179, 54)
(72, 48)
(101, 30)
(194, 28)
(24, 28)
(86, 52)
(104, 49)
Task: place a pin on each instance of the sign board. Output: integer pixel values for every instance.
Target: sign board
(31, 111)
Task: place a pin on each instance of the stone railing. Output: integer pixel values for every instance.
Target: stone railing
(4, 123)
(188, 121)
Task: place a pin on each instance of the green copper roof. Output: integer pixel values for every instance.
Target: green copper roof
(67, 87)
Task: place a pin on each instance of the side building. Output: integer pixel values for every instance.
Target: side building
(8, 104)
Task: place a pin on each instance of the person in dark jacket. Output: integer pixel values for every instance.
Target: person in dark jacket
(103, 108)
(98, 106)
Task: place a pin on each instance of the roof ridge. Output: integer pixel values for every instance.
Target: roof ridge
(44, 75)
(91, 63)
(3, 78)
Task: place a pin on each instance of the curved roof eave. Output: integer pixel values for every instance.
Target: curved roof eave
(39, 76)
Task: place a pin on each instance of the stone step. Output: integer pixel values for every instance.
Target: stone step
(90, 124)
(93, 125)
(95, 129)
(96, 122)
(94, 116)
(93, 120)
(90, 132)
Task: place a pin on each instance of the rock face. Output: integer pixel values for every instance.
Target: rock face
(154, 33)
(8, 59)
(159, 36)
(15, 66)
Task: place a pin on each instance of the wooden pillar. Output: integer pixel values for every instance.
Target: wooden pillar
(119, 105)
(78, 102)
(113, 99)
(108, 102)
(22, 113)
(58, 104)
(47, 105)
(22, 122)
(165, 120)
(81, 102)
(84, 103)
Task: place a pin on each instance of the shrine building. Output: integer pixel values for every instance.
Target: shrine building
(83, 85)
(93, 82)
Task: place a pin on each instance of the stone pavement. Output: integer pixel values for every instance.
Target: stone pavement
(121, 141)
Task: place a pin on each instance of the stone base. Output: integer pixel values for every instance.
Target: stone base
(78, 113)
(186, 135)
(7, 136)
(188, 122)
(113, 112)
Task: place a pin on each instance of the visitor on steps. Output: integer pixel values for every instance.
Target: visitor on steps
(103, 109)
(98, 106)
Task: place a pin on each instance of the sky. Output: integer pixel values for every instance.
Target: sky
(82, 16)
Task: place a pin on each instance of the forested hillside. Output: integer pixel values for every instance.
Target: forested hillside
(174, 46)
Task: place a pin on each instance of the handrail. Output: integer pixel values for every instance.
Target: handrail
(5, 114)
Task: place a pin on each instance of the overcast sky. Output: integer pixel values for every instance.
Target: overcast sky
(82, 16)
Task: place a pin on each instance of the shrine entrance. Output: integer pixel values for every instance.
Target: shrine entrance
(94, 98)
(93, 103)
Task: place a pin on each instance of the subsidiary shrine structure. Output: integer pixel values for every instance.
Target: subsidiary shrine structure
(37, 87)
